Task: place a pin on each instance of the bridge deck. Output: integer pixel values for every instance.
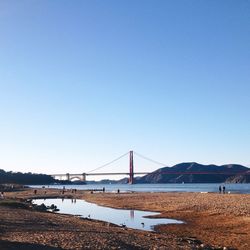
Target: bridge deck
(88, 174)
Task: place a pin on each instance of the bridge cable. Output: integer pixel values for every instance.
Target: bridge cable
(148, 159)
(109, 163)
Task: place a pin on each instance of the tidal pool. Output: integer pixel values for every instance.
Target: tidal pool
(135, 219)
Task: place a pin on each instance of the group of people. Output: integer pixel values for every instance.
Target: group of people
(222, 189)
(71, 190)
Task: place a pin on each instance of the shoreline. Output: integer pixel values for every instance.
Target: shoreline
(220, 220)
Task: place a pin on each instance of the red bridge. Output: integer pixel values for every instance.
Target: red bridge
(83, 176)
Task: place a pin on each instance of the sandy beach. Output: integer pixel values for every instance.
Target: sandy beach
(212, 221)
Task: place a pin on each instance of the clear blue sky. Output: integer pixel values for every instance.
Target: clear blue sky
(82, 82)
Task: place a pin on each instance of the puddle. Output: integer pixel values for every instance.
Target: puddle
(130, 218)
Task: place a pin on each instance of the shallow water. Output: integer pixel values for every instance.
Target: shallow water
(131, 218)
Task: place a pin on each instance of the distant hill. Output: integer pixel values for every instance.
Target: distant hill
(240, 178)
(25, 178)
(192, 172)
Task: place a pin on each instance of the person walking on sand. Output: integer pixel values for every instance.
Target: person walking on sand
(224, 190)
(220, 189)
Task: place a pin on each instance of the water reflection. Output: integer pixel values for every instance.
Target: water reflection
(132, 214)
(127, 218)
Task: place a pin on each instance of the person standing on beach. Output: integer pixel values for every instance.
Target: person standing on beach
(224, 189)
(220, 189)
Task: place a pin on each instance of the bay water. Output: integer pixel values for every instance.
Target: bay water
(182, 187)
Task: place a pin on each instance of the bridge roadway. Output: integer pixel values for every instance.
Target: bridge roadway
(82, 176)
(87, 174)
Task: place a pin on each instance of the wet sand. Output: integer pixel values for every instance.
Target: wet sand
(219, 220)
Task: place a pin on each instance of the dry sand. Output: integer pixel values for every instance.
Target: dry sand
(214, 219)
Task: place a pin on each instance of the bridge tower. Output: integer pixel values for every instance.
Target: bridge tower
(83, 177)
(68, 177)
(131, 167)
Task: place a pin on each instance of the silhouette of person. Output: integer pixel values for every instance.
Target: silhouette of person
(224, 189)
(220, 189)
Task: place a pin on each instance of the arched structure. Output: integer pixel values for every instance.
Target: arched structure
(70, 177)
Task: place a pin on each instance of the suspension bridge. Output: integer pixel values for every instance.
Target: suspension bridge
(131, 173)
